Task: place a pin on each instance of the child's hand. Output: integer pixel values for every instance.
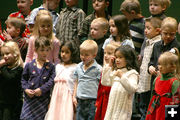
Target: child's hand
(111, 61)
(74, 101)
(152, 70)
(7, 36)
(37, 92)
(29, 92)
(119, 73)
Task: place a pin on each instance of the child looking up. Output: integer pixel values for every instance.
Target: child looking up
(123, 79)
(103, 91)
(37, 81)
(157, 8)
(15, 29)
(87, 74)
(119, 30)
(10, 82)
(164, 87)
(61, 105)
(43, 27)
(99, 28)
(152, 32)
(70, 22)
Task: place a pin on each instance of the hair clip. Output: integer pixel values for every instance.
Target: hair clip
(172, 50)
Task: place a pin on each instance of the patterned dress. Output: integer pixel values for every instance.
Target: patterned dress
(61, 105)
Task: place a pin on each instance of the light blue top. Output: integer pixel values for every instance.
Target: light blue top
(88, 80)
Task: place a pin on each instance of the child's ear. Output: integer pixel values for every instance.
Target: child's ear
(107, 3)
(158, 30)
(164, 7)
(18, 31)
(133, 12)
(31, 2)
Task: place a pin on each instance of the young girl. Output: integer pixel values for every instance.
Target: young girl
(165, 86)
(37, 80)
(119, 30)
(103, 91)
(61, 105)
(10, 82)
(123, 79)
(43, 27)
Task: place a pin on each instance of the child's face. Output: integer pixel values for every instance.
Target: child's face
(99, 5)
(113, 28)
(65, 55)
(108, 54)
(156, 8)
(150, 31)
(24, 6)
(86, 56)
(164, 68)
(12, 31)
(53, 4)
(42, 53)
(179, 28)
(8, 56)
(97, 32)
(45, 28)
(120, 60)
(71, 3)
(168, 35)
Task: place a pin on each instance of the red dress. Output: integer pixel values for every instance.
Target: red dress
(161, 97)
(102, 101)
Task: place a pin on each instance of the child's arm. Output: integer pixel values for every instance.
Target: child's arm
(74, 93)
(81, 17)
(56, 46)
(2, 62)
(30, 51)
(106, 79)
(176, 92)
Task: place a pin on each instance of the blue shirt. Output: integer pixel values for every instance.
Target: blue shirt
(87, 80)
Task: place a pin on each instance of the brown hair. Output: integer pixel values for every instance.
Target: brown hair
(129, 5)
(167, 3)
(155, 22)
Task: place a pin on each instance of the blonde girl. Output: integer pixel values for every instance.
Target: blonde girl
(10, 82)
(119, 29)
(43, 27)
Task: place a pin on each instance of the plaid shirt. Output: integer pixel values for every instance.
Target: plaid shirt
(145, 77)
(69, 23)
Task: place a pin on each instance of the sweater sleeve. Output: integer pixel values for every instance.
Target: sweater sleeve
(56, 48)
(30, 51)
(25, 77)
(106, 79)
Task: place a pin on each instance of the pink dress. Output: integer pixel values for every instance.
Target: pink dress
(61, 105)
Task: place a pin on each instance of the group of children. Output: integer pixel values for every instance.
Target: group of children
(42, 78)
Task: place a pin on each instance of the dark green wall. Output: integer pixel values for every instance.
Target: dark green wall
(9, 6)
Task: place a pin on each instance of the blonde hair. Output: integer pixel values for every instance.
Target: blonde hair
(43, 16)
(89, 45)
(167, 3)
(102, 22)
(155, 22)
(129, 5)
(14, 49)
(112, 45)
(170, 23)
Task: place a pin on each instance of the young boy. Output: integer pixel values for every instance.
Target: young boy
(15, 29)
(24, 7)
(168, 31)
(99, 28)
(49, 5)
(152, 32)
(99, 7)
(69, 22)
(157, 8)
(87, 74)
(132, 10)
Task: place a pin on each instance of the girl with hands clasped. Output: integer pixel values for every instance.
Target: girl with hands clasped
(37, 81)
(121, 74)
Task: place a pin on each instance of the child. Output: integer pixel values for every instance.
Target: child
(87, 74)
(165, 86)
(43, 27)
(61, 105)
(69, 22)
(15, 29)
(119, 31)
(157, 8)
(99, 28)
(99, 7)
(168, 32)
(24, 7)
(152, 32)
(51, 6)
(123, 79)
(103, 91)
(37, 80)
(179, 28)
(10, 82)
(132, 10)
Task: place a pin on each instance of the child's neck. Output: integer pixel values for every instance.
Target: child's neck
(67, 63)
(100, 14)
(40, 63)
(118, 38)
(86, 66)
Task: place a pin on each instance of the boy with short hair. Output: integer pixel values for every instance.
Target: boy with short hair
(132, 10)
(99, 28)
(99, 7)
(152, 32)
(69, 22)
(87, 74)
(157, 8)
